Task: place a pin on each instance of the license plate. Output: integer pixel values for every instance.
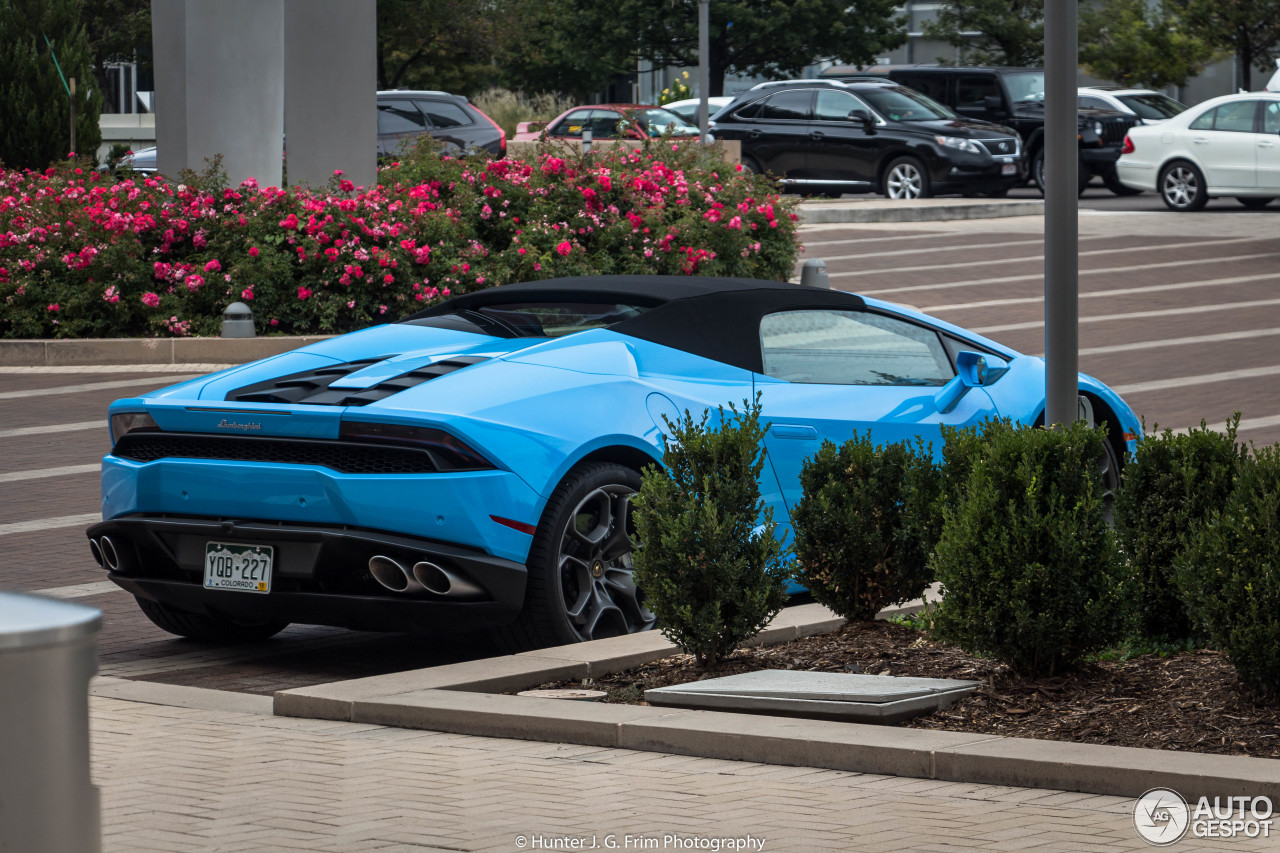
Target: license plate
(1009, 169)
(246, 568)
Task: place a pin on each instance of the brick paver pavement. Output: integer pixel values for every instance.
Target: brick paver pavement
(187, 779)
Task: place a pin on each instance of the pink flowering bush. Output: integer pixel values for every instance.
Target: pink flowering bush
(86, 255)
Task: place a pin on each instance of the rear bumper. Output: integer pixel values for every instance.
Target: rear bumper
(320, 576)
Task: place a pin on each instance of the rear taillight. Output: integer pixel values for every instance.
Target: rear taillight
(1128, 145)
(502, 134)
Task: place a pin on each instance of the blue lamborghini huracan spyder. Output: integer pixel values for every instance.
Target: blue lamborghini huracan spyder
(472, 465)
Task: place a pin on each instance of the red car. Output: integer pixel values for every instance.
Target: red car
(607, 121)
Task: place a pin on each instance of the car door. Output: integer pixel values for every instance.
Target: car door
(830, 373)
(779, 134)
(972, 91)
(1268, 147)
(843, 149)
(1224, 142)
(399, 120)
(570, 127)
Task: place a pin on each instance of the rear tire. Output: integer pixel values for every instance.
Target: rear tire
(750, 165)
(1182, 187)
(207, 629)
(1083, 175)
(1255, 202)
(580, 585)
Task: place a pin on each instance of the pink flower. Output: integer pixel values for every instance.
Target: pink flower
(351, 304)
(151, 300)
(735, 222)
(253, 251)
(275, 322)
(111, 295)
(304, 292)
(55, 307)
(564, 248)
(213, 266)
(194, 282)
(247, 294)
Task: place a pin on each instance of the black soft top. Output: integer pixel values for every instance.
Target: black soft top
(716, 318)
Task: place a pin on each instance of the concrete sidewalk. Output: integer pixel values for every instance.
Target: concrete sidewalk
(194, 779)
(875, 208)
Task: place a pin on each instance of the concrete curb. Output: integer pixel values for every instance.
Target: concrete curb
(930, 210)
(467, 698)
(85, 352)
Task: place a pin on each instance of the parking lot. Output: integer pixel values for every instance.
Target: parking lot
(1180, 313)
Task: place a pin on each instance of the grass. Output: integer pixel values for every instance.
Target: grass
(508, 108)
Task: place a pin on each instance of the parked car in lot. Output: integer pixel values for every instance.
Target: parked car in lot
(143, 160)
(1150, 106)
(452, 119)
(1015, 97)
(1227, 146)
(608, 121)
(688, 109)
(868, 136)
(472, 465)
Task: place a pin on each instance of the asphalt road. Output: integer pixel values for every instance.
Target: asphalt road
(1180, 313)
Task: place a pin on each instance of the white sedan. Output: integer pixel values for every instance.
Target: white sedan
(1228, 146)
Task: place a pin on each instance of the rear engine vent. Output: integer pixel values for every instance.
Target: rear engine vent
(311, 387)
(347, 457)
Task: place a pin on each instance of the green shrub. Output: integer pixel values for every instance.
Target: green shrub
(1229, 574)
(712, 573)
(1171, 485)
(867, 524)
(1027, 560)
(508, 108)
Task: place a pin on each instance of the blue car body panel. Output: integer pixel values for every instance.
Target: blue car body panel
(535, 408)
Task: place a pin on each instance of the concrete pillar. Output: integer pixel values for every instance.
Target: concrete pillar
(220, 75)
(330, 80)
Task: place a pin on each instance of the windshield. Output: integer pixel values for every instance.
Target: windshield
(1153, 106)
(1025, 86)
(898, 103)
(656, 121)
(532, 319)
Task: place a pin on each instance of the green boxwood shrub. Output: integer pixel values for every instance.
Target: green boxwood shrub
(1171, 485)
(1027, 560)
(708, 557)
(1229, 575)
(867, 524)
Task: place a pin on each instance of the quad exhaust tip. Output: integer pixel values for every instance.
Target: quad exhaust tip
(423, 577)
(96, 550)
(110, 555)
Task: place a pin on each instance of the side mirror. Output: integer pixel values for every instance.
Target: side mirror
(993, 104)
(861, 116)
(979, 369)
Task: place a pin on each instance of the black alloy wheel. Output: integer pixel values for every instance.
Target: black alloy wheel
(581, 584)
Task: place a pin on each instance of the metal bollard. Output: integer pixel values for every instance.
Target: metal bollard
(48, 652)
(237, 321)
(814, 273)
(586, 140)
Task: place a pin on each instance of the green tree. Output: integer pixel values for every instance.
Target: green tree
(746, 36)
(566, 46)
(1009, 32)
(1248, 28)
(116, 29)
(1139, 45)
(440, 44)
(34, 106)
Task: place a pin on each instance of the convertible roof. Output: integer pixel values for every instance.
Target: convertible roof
(716, 318)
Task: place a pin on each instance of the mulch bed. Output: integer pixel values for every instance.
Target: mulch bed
(1191, 702)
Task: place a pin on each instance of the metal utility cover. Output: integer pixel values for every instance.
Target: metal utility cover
(820, 695)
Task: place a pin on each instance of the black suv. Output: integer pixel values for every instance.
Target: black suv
(868, 136)
(1015, 97)
(452, 119)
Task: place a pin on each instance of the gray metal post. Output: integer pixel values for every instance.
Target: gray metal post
(704, 66)
(1061, 219)
(330, 75)
(48, 652)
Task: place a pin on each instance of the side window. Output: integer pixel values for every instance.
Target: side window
(1088, 102)
(1204, 121)
(751, 110)
(789, 106)
(443, 114)
(604, 124)
(931, 85)
(971, 90)
(1236, 117)
(851, 348)
(572, 124)
(399, 117)
(835, 106)
(1271, 116)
